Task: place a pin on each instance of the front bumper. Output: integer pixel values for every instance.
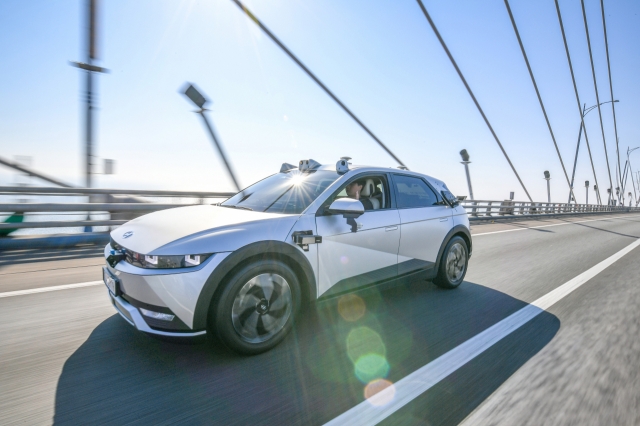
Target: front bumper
(174, 292)
(132, 315)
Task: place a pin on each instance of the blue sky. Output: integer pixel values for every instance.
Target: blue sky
(381, 58)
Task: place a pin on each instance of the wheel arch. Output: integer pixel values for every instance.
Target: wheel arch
(256, 251)
(456, 231)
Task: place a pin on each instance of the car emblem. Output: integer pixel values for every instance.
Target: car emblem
(127, 234)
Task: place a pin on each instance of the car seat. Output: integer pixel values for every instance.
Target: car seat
(368, 189)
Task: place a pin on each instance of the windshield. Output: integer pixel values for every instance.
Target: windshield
(288, 193)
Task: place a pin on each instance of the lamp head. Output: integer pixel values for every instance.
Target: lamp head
(195, 96)
(465, 155)
(547, 175)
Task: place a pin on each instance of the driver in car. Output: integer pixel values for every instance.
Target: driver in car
(353, 191)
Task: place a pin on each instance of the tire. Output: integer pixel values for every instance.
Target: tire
(453, 264)
(249, 320)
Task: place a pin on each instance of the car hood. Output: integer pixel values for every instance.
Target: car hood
(201, 229)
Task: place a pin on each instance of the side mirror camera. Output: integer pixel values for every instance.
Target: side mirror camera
(451, 199)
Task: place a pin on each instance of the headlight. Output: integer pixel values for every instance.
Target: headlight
(166, 262)
(161, 262)
(170, 262)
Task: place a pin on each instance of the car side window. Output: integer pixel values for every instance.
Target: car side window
(412, 192)
(374, 194)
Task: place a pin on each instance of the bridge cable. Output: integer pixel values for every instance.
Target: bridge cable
(613, 107)
(466, 85)
(535, 86)
(575, 89)
(314, 78)
(595, 86)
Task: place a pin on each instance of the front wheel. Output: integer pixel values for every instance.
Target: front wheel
(257, 308)
(453, 264)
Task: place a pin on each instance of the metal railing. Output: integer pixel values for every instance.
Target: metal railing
(493, 208)
(113, 206)
(117, 206)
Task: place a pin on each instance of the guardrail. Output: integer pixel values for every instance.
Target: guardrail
(117, 206)
(492, 208)
(55, 191)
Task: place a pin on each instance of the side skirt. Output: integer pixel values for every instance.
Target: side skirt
(405, 272)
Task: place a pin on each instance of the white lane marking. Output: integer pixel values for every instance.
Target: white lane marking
(547, 226)
(47, 289)
(374, 410)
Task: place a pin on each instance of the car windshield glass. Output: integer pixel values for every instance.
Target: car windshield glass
(288, 193)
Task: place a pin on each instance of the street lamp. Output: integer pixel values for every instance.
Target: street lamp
(199, 100)
(465, 160)
(586, 187)
(585, 111)
(547, 177)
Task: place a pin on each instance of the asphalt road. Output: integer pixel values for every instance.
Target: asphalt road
(66, 357)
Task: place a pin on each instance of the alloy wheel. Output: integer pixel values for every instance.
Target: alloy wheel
(456, 262)
(261, 308)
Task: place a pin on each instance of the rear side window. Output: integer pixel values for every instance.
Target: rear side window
(412, 192)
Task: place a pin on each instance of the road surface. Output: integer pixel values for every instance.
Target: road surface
(66, 357)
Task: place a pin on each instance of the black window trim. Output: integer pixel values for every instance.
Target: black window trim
(390, 194)
(438, 195)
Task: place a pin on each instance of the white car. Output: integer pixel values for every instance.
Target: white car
(242, 269)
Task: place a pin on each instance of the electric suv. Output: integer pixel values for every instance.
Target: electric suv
(241, 269)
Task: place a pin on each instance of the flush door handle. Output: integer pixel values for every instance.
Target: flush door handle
(391, 228)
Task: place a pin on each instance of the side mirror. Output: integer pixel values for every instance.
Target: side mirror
(347, 207)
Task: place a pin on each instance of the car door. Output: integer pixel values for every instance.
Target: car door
(348, 259)
(425, 221)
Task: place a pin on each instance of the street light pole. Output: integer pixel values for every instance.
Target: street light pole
(586, 187)
(199, 100)
(90, 68)
(547, 177)
(585, 111)
(465, 160)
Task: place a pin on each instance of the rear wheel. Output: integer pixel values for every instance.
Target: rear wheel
(453, 264)
(257, 308)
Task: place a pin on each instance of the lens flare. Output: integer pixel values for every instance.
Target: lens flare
(362, 341)
(351, 307)
(344, 260)
(379, 392)
(370, 367)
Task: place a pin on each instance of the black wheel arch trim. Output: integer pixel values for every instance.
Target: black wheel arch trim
(261, 249)
(458, 229)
